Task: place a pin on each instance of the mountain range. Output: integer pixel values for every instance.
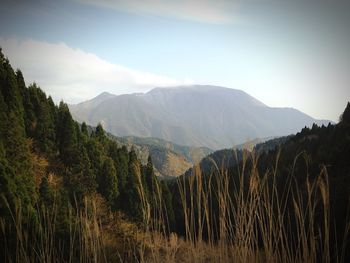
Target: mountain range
(197, 115)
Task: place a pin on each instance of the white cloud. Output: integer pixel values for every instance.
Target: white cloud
(209, 11)
(74, 75)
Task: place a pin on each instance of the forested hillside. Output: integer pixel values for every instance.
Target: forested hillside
(51, 167)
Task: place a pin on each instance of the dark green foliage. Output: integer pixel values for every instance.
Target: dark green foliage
(17, 180)
(20, 83)
(86, 161)
(108, 182)
(100, 133)
(10, 89)
(66, 135)
(345, 117)
(46, 193)
(123, 163)
(150, 177)
(132, 204)
(84, 129)
(42, 125)
(95, 153)
(7, 186)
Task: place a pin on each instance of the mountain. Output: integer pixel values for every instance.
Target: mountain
(191, 154)
(169, 159)
(198, 115)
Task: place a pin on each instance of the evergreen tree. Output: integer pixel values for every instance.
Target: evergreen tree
(108, 182)
(100, 133)
(44, 130)
(123, 170)
(150, 177)
(95, 154)
(84, 129)
(10, 90)
(345, 117)
(66, 135)
(80, 177)
(20, 82)
(132, 204)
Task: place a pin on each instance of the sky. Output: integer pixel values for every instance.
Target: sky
(283, 53)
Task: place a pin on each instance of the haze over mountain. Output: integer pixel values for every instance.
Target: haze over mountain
(198, 115)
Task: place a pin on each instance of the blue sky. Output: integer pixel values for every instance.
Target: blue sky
(287, 55)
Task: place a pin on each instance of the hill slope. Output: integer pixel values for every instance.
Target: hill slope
(211, 116)
(169, 159)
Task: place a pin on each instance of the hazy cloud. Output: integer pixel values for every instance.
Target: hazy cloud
(74, 75)
(209, 11)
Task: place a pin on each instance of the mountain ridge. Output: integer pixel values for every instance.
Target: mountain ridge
(197, 115)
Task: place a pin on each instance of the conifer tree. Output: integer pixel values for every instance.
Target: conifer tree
(95, 153)
(84, 129)
(44, 130)
(108, 182)
(100, 133)
(66, 135)
(132, 203)
(150, 177)
(345, 117)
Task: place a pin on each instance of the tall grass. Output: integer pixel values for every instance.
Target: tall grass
(243, 216)
(32, 236)
(252, 217)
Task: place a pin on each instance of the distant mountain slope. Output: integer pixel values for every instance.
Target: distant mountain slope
(169, 159)
(199, 115)
(192, 154)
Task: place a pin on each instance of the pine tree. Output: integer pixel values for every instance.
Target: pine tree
(123, 163)
(84, 129)
(20, 82)
(95, 153)
(345, 117)
(132, 204)
(10, 90)
(80, 177)
(66, 135)
(150, 177)
(100, 133)
(44, 130)
(108, 182)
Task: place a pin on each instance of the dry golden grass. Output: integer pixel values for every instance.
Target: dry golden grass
(257, 222)
(254, 222)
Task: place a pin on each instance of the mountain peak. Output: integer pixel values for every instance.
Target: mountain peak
(104, 95)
